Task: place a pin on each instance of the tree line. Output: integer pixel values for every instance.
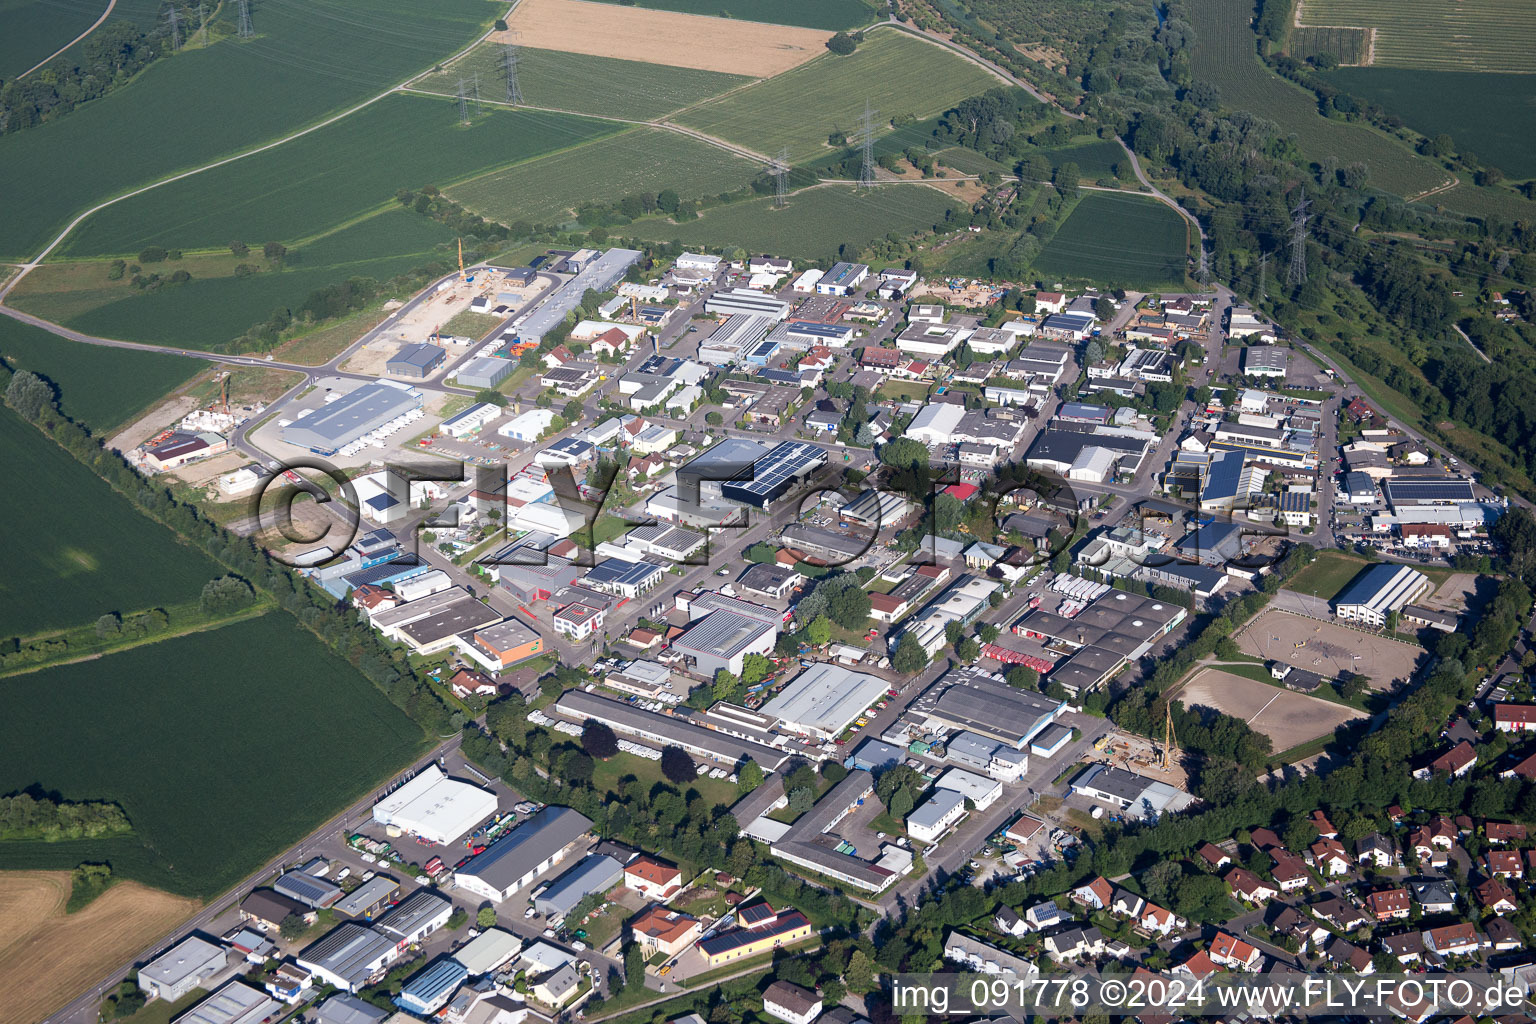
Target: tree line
(26, 817)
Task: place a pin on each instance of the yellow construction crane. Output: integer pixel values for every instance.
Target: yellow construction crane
(461, 259)
(1170, 739)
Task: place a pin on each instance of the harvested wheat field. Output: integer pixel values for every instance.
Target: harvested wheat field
(662, 37)
(48, 958)
(1286, 717)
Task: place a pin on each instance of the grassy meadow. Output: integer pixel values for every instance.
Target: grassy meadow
(216, 307)
(585, 84)
(813, 224)
(1224, 55)
(30, 30)
(100, 387)
(307, 61)
(217, 770)
(102, 557)
(1117, 239)
(328, 178)
(897, 73)
(1490, 114)
(548, 190)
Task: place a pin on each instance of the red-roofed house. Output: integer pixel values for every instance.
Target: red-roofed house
(652, 878)
(1265, 839)
(668, 932)
(1526, 769)
(1324, 827)
(961, 492)
(1388, 904)
(1504, 864)
(1330, 857)
(610, 343)
(1455, 762)
(1200, 965)
(1514, 717)
(1503, 832)
(559, 356)
(1157, 921)
(368, 599)
(1249, 887)
(1452, 940)
(1289, 871)
(1232, 952)
(881, 360)
(1494, 895)
(465, 682)
(1213, 855)
(1096, 893)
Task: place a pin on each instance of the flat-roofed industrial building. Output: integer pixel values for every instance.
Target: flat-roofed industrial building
(337, 424)
(532, 848)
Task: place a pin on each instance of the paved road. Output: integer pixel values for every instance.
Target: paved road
(83, 1009)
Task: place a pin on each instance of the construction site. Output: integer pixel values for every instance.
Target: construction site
(1161, 761)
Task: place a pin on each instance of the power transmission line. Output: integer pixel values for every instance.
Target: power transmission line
(1203, 273)
(245, 20)
(477, 94)
(1296, 273)
(174, 17)
(1263, 269)
(780, 171)
(509, 61)
(463, 104)
(867, 143)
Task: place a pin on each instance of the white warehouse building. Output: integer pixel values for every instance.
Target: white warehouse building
(823, 700)
(435, 807)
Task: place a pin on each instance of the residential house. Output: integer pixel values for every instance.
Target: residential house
(1330, 858)
(1503, 864)
(1249, 887)
(1434, 897)
(1289, 871)
(1504, 832)
(791, 1003)
(1095, 894)
(1514, 717)
(1233, 953)
(653, 878)
(1377, 850)
(1495, 896)
(1388, 904)
(1340, 913)
(1324, 827)
(1453, 940)
(663, 931)
(1343, 953)
(1502, 935)
(1071, 941)
(1044, 915)
(1456, 762)
(1008, 922)
(1408, 947)
(1213, 855)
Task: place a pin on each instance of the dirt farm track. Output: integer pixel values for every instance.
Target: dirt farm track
(662, 37)
(1327, 649)
(47, 958)
(1285, 716)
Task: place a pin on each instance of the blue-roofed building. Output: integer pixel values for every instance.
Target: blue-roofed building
(1082, 412)
(1223, 481)
(431, 988)
(874, 755)
(842, 279)
(773, 475)
(1067, 326)
(416, 361)
(624, 578)
(1214, 544)
(1379, 591)
(1361, 488)
(761, 353)
(596, 873)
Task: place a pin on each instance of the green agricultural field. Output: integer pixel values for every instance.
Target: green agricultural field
(1488, 114)
(209, 312)
(1478, 35)
(1327, 575)
(1343, 44)
(897, 73)
(814, 223)
(1224, 55)
(1118, 239)
(100, 387)
(30, 30)
(1485, 202)
(329, 177)
(968, 161)
(307, 61)
(1095, 158)
(548, 190)
(206, 756)
(101, 557)
(584, 84)
(828, 14)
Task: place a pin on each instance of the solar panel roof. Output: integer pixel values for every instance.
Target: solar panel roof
(784, 463)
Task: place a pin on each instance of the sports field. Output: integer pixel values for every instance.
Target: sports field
(662, 37)
(216, 306)
(1285, 716)
(897, 73)
(66, 526)
(825, 14)
(329, 177)
(1117, 239)
(203, 742)
(100, 387)
(48, 958)
(1224, 54)
(1327, 648)
(1328, 574)
(310, 58)
(583, 83)
(1490, 114)
(814, 223)
(1476, 35)
(31, 30)
(548, 190)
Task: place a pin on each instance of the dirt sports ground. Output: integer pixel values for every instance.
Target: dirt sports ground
(1328, 649)
(47, 958)
(1286, 717)
(662, 37)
